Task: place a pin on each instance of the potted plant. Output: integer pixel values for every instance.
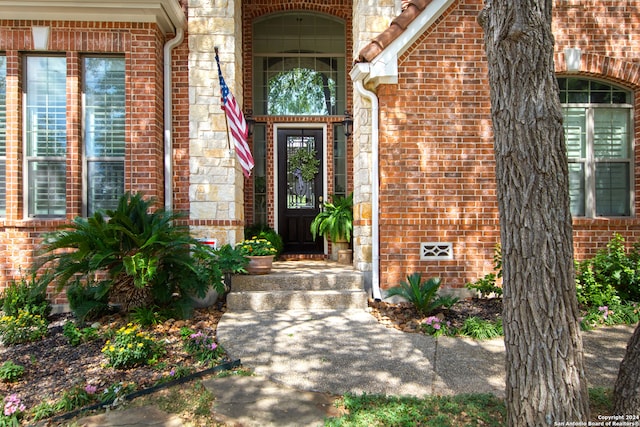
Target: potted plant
(260, 252)
(335, 221)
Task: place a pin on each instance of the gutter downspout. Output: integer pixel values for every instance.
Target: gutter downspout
(375, 184)
(168, 118)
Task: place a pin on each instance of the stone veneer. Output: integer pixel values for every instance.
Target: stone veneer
(216, 179)
(370, 18)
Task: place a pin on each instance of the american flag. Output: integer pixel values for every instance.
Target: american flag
(237, 125)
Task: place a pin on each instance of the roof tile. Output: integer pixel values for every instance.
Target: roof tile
(410, 11)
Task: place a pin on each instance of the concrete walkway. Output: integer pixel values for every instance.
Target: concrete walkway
(304, 359)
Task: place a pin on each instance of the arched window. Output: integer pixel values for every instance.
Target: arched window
(299, 65)
(598, 134)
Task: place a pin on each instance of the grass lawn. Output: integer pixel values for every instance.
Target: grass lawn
(438, 411)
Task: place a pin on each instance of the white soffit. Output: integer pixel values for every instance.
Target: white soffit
(168, 14)
(384, 67)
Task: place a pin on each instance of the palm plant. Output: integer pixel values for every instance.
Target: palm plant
(422, 295)
(138, 256)
(335, 220)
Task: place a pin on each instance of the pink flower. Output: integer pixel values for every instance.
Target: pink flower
(90, 389)
(12, 405)
(605, 311)
(436, 326)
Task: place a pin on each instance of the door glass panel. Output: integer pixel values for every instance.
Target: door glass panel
(302, 168)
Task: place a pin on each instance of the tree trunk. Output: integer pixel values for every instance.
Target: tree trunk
(626, 392)
(544, 370)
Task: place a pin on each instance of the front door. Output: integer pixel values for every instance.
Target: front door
(300, 188)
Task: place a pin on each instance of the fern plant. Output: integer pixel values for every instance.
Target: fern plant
(335, 220)
(423, 295)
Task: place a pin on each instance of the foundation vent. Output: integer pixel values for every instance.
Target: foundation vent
(436, 251)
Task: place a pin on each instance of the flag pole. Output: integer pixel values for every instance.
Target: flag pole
(226, 119)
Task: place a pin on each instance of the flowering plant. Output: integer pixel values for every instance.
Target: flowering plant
(256, 247)
(131, 347)
(25, 327)
(12, 411)
(201, 345)
(435, 326)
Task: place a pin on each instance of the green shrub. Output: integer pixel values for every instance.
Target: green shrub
(10, 372)
(480, 329)
(230, 261)
(487, 284)
(628, 313)
(29, 295)
(75, 398)
(611, 273)
(88, 301)
(77, 336)
(132, 347)
(25, 327)
(590, 291)
(146, 256)
(422, 295)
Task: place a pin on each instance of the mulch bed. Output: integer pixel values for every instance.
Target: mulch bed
(404, 317)
(53, 365)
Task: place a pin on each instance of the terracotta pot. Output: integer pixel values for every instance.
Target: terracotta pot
(260, 264)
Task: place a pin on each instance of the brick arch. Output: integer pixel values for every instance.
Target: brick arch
(338, 8)
(613, 69)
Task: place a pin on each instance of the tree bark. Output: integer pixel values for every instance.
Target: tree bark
(544, 370)
(626, 392)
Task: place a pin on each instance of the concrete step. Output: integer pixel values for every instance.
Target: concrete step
(297, 285)
(296, 300)
(298, 281)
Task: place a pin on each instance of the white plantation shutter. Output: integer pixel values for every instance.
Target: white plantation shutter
(46, 136)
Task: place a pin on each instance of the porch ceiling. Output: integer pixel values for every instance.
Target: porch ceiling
(168, 14)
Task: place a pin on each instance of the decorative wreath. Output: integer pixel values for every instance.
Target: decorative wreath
(305, 161)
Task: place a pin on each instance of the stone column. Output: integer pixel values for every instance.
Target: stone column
(370, 18)
(216, 179)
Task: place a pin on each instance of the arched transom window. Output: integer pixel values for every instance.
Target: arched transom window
(299, 65)
(598, 132)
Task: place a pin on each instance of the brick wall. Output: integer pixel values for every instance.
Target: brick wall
(141, 45)
(436, 143)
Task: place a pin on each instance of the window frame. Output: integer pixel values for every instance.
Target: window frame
(590, 161)
(3, 142)
(86, 159)
(28, 159)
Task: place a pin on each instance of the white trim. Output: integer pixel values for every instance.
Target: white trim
(276, 128)
(168, 14)
(384, 67)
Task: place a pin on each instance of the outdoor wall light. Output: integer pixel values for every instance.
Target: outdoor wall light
(572, 59)
(348, 124)
(251, 122)
(40, 37)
